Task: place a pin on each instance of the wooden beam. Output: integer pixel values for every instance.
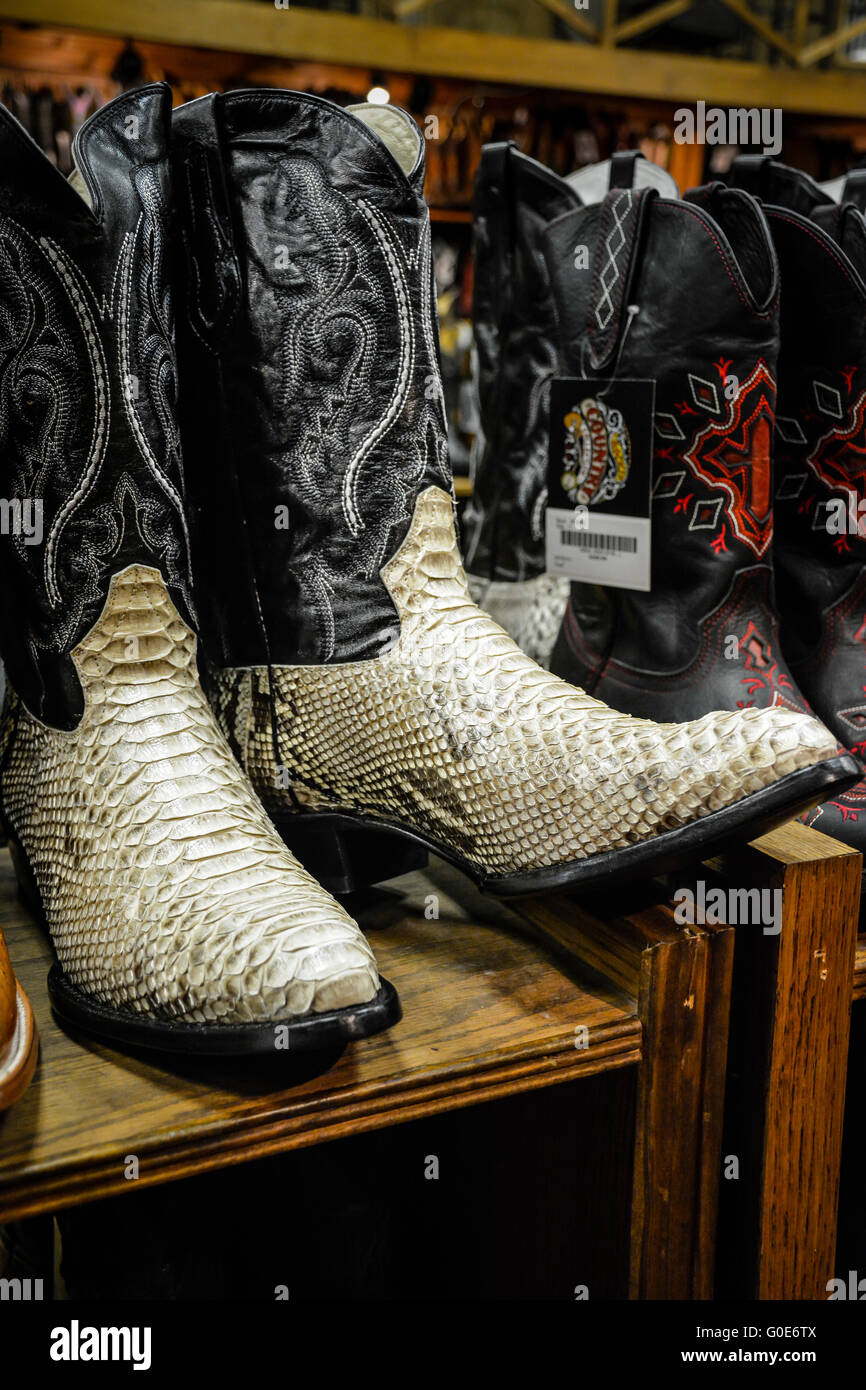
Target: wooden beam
(402, 8)
(822, 48)
(650, 19)
(764, 30)
(610, 14)
(309, 35)
(569, 15)
(801, 22)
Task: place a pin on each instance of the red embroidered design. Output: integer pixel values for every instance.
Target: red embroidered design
(721, 365)
(763, 672)
(839, 457)
(734, 455)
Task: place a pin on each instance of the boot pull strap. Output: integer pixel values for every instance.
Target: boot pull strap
(854, 190)
(492, 166)
(622, 168)
(622, 215)
(750, 172)
(213, 272)
(777, 184)
(492, 176)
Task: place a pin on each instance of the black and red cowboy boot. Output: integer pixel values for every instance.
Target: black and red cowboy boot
(376, 709)
(820, 543)
(706, 636)
(503, 523)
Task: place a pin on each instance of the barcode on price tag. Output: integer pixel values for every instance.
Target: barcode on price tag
(599, 548)
(582, 538)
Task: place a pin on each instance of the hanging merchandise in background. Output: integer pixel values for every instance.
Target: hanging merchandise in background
(598, 480)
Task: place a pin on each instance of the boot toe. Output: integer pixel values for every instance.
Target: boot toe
(756, 748)
(308, 958)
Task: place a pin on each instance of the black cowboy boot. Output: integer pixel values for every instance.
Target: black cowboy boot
(513, 319)
(373, 705)
(820, 542)
(705, 636)
(179, 919)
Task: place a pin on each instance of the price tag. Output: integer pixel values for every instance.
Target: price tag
(598, 502)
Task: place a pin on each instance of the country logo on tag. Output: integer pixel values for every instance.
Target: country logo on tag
(597, 454)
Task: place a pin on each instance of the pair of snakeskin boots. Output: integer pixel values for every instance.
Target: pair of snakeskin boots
(259, 507)
(758, 584)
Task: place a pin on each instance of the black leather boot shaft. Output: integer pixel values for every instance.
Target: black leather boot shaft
(702, 277)
(87, 383)
(515, 198)
(313, 414)
(820, 546)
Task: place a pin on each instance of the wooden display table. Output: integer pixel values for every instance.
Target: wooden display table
(497, 1004)
(490, 1010)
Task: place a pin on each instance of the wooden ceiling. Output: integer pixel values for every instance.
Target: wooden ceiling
(606, 64)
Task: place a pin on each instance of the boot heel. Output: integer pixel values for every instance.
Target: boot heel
(347, 856)
(27, 888)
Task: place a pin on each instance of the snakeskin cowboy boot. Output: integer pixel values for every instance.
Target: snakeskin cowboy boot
(375, 708)
(179, 919)
(515, 338)
(820, 541)
(705, 637)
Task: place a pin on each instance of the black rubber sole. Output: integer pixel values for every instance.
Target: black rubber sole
(348, 853)
(288, 1037)
(279, 1038)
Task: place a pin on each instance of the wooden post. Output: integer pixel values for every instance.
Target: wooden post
(679, 979)
(789, 1035)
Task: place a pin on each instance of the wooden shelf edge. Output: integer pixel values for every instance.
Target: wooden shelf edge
(205, 1153)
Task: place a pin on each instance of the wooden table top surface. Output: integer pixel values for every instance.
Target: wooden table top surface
(487, 1011)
